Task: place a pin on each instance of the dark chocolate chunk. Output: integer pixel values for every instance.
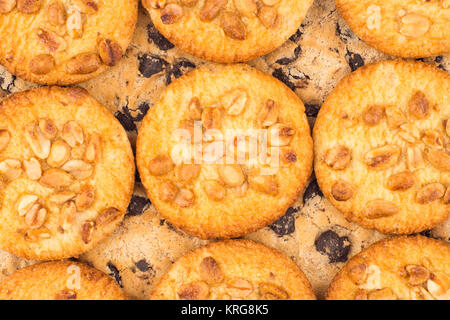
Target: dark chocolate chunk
(143, 265)
(312, 190)
(138, 205)
(286, 224)
(335, 247)
(288, 60)
(151, 64)
(178, 69)
(115, 273)
(157, 38)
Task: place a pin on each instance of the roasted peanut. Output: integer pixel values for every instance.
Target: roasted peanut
(373, 115)
(32, 169)
(167, 191)
(211, 9)
(7, 5)
(83, 63)
(210, 271)
(214, 190)
(198, 290)
(417, 274)
(110, 52)
(172, 13)
(268, 115)
(342, 191)
(5, 137)
(160, 165)
(231, 175)
(419, 107)
(383, 157)
(430, 193)
(338, 158)
(28, 6)
(56, 13)
(235, 101)
(42, 64)
(56, 178)
(380, 208)
(185, 198)
(233, 26)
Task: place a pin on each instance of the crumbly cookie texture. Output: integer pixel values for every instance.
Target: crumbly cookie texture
(404, 28)
(382, 143)
(64, 41)
(234, 269)
(66, 173)
(60, 281)
(227, 31)
(216, 196)
(400, 268)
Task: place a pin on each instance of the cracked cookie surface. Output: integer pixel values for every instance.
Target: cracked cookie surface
(60, 281)
(234, 269)
(400, 268)
(404, 28)
(228, 31)
(66, 173)
(382, 147)
(64, 41)
(224, 195)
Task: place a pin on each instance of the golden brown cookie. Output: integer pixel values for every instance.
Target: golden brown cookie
(227, 30)
(66, 173)
(382, 142)
(404, 28)
(60, 281)
(64, 41)
(234, 269)
(400, 268)
(242, 157)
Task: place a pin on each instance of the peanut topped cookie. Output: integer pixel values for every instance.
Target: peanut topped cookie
(400, 268)
(404, 28)
(234, 269)
(225, 151)
(227, 30)
(64, 41)
(60, 281)
(382, 146)
(66, 173)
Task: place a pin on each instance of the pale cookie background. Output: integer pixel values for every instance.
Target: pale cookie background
(312, 232)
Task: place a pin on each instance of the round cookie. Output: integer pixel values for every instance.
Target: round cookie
(66, 280)
(404, 28)
(228, 31)
(66, 173)
(234, 269)
(382, 144)
(219, 177)
(64, 41)
(399, 268)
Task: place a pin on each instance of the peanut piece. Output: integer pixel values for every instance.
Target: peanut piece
(160, 165)
(401, 181)
(231, 175)
(210, 271)
(373, 115)
(32, 169)
(107, 216)
(85, 198)
(7, 5)
(78, 168)
(214, 190)
(268, 16)
(269, 113)
(87, 230)
(430, 193)
(233, 26)
(56, 178)
(5, 137)
(59, 154)
(383, 157)
(185, 198)
(417, 274)
(338, 158)
(56, 13)
(93, 149)
(280, 135)
(380, 208)
(172, 13)
(110, 52)
(11, 169)
(187, 172)
(211, 118)
(419, 107)
(198, 290)
(72, 133)
(342, 191)
(414, 25)
(246, 8)
(168, 191)
(211, 9)
(235, 101)
(263, 183)
(83, 63)
(439, 159)
(42, 64)
(28, 6)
